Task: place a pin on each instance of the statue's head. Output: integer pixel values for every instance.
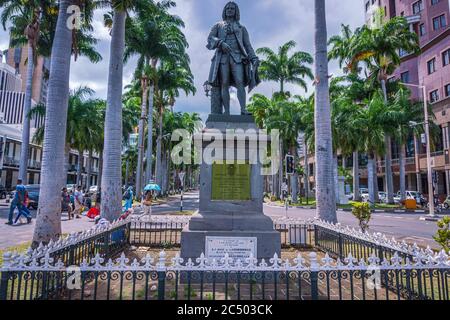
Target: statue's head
(231, 10)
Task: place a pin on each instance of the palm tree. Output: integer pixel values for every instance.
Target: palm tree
(283, 68)
(379, 48)
(83, 128)
(325, 194)
(48, 221)
(153, 35)
(172, 77)
(29, 14)
(112, 163)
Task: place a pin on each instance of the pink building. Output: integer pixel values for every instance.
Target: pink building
(430, 19)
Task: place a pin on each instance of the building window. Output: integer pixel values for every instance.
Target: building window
(417, 7)
(447, 90)
(439, 22)
(446, 57)
(431, 66)
(433, 2)
(405, 77)
(422, 29)
(434, 96)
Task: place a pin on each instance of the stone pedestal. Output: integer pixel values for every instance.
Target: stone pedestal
(234, 220)
(341, 197)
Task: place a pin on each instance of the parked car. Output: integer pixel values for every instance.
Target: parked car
(411, 195)
(93, 189)
(3, 192)
(33, 195)
(382, 196)
(447, 203)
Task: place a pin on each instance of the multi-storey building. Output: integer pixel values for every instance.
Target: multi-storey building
(12, 96)
(430, 20)
(17, 59)
(10, 141)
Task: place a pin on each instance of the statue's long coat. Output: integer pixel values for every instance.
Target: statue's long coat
(216, 36)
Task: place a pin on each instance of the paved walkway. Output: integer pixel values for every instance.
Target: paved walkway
(403, 226)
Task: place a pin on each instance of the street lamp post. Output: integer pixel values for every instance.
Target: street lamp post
(427, 137)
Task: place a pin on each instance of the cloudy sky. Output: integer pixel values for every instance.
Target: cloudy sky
(269, 22)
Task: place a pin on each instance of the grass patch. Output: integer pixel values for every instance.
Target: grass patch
(21, 248)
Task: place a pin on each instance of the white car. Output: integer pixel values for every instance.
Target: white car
(93, 189)
(409, 195)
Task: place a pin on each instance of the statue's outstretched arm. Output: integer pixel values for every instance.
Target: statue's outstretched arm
(213, 39)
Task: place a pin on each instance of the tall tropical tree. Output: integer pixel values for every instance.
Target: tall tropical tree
(379, 48)
(172, 78)
(25, 17)
(325, 194)
(284, 68)
(48, 221)
(153, 35)
(64, 43)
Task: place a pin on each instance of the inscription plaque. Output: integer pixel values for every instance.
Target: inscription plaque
(231, 182)
(236, 247)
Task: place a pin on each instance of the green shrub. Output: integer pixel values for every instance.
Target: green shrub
(362, 212)
(443, 234)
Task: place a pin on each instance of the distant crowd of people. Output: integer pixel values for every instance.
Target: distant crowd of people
(76, 203)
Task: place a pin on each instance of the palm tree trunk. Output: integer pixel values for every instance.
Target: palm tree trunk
(48, 219)
(148, 172)
(127, 171)
(325, 194)
(388, 156)
(370, 175)
(402, 172)
(140, 166)
(88, 171)
(356, 195)
(25, 146)
(66, 164)
(375, 180)
(280, 171)
(388, 169)
(100, 169)
(158, 169)
(80, 168)
(336, 177)
(294, 178)
(306, 172)
(112, 162)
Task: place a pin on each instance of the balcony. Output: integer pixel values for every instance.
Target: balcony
(11, 161)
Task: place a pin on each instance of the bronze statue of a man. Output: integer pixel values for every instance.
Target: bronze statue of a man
(235, 62)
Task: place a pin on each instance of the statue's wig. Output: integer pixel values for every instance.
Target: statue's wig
(237, 16)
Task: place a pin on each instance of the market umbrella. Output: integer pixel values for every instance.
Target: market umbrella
(152, 186)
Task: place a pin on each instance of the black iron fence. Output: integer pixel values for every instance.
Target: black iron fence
(140, 282)
(366, 269)
(168, 234)
(340, 245)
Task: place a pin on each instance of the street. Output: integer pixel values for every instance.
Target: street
(402, 226)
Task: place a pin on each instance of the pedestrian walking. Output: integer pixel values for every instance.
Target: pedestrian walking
(147, 204)
(79, 201)
(66, 203)
(128, 197)
(18, 202)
